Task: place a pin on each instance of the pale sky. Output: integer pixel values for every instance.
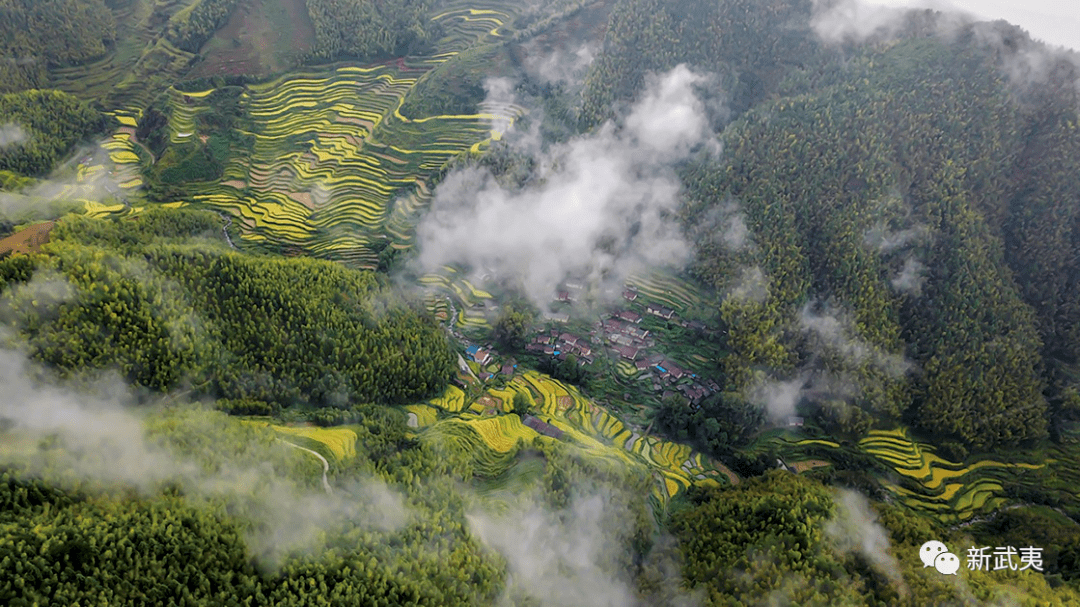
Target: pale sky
(1056, 22)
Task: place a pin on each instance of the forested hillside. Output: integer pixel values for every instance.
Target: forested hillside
(48, 124)
(809, 297)
(365, 29)
(227, 324)
(900, 195)
(36, 34)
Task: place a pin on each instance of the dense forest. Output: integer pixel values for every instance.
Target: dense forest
(924, 141)
(227, 324)
(887, 230)
(365, 29)
(37, 34)
(49, 124)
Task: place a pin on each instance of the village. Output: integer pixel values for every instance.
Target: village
(617, 335)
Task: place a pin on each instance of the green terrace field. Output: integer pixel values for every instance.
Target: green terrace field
(468, 301)
(335, 170)
(488, 431)
(142, 64)
(951, 492)
(470, 22)
(668, 290)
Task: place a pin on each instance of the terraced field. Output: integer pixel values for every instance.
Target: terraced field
(951, 492)
(589, 426)
(340, 442)
(467, 300)
(469, 22)
(668, 290)
(142, 64)
(336, 169)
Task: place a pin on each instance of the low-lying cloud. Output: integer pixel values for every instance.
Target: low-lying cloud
(854, 529)
(600, 207)
(11, 135)
(101, 439)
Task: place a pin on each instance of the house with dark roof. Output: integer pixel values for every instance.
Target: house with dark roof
(542, 427)
(629, 316)
(629, 295)
(628, 352)
(661, 311)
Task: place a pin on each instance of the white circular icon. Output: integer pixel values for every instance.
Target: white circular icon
(947, 563)
(930, 551)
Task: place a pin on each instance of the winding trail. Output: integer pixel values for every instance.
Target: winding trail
(325, 464)
(228, 222)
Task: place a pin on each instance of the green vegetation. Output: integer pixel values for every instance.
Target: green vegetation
(52, 123)
(907, 257)
(367, 30)
(234, 326)
(194, 26)
(37, 34)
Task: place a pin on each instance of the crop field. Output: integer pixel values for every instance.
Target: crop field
(469, 22)
(668, 290)
(335, 168)
(461, 438)
(341, 442)
(425, 415)
(468, 300)
(951, 492)
(453, 400)
(591, 427)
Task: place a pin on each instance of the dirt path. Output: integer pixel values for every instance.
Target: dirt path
(228, 222)
(325, 464)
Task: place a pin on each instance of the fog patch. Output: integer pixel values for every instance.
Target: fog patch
(96, 436)
(854, 530)
(911, 277)
(11, 135)
(752, 286)
(778, 397)
(560, 67)
(600, 206)
(834, 333)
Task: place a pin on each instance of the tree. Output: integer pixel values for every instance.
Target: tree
(513, 325)
(521, 404)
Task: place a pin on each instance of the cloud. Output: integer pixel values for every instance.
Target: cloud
(499, 102)
(569, 557)
(36, 200)
(779, 398)
(1057, 22)
(911, 278)
(886, 242)
(559, 67)
(11, 135)
(100, 438)
(833, 332)
(854, 529)
(600, 206)
(837, 21)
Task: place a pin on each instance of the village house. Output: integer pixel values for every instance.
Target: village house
(661, 311)
(543, 427)
(628, 352)
(629, 295)
(629, 316)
